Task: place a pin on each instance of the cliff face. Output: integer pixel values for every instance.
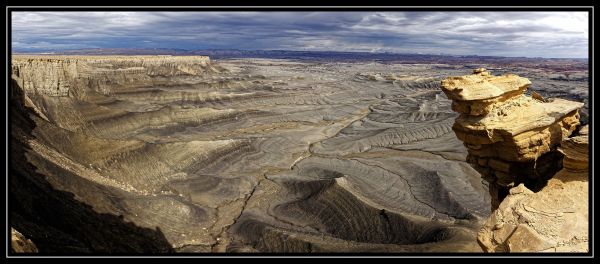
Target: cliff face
(61, 89)
(77, 76)
(53, 93)
(46, 219)
(511, 138)
(518, 141)
(554, 219)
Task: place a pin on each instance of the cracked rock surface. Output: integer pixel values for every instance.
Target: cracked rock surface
(554, 219)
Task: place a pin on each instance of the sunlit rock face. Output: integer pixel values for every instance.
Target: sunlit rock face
(248, 155)
(20, 244)
(576, 151)
(554, 219)
(520, 142)
(77, 76)
(512, 138)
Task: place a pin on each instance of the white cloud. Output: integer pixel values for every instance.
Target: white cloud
(562, 34)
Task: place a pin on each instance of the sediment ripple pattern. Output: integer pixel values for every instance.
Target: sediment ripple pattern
(262, 155)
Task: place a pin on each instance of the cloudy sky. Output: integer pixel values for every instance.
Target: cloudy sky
(529, 34)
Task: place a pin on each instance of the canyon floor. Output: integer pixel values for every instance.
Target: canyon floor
(263, 155)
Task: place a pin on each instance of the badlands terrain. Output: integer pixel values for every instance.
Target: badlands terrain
(188, 154)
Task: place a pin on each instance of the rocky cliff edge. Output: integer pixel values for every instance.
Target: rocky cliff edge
(533, 153)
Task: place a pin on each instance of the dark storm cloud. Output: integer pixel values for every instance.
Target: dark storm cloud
(547, 34)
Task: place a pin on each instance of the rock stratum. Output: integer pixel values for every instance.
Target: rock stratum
(184, 154)
(519, 144)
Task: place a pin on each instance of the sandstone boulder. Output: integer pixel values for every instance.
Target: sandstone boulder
(477, 94)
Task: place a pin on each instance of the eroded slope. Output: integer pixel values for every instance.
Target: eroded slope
(255, 155)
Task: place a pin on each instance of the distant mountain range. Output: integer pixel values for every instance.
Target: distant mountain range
(313, 55)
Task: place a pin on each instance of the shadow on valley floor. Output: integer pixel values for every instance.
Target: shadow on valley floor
(54, 220)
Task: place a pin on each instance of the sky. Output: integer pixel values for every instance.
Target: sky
(512, 34)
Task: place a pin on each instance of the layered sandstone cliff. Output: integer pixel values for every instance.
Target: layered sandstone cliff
(518, 144)
(511, 138)
(78, 75)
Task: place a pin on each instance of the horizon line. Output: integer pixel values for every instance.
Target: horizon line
(315, 51)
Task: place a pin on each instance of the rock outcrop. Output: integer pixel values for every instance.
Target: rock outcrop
(477, 94)
(554, 219)
(516, 140)
(20, 244)
(576, 151)
(77, 75)
(511, 138)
